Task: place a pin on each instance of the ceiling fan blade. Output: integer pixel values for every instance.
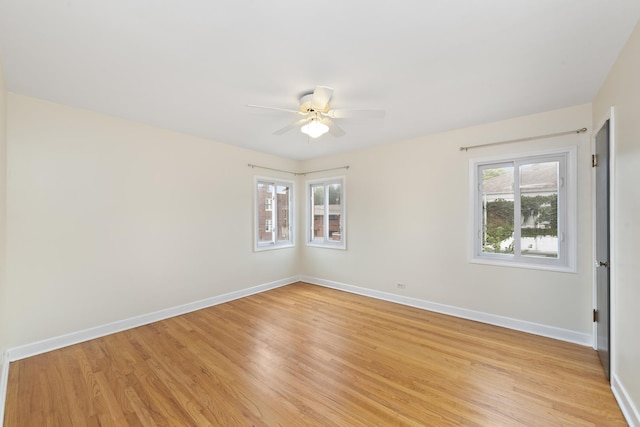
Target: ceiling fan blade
(334, 129)
(321, 97)
(275, 108)
(343, 114)
(293, 125)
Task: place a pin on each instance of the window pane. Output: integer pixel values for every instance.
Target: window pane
(335, 212)
(265, 212)
(282, 201)
(317, 207)
(539, 209)
(497, 209)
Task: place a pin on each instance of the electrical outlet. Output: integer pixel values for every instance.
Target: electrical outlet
(400, 285)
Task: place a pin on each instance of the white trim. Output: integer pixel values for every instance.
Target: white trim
(17, 353)
(491, 319)
(629, 410)
(610, 115)
(257, 246)
(613, 280)
(567, 223)
(4, 379)
(532, 266)
(342, 245)
(55, 343)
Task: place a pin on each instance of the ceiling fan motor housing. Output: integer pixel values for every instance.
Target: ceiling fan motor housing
(305, 104)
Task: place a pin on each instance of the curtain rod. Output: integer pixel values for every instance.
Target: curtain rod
(582, 130)
(297, 173)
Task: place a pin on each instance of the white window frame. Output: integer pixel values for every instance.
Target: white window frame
(567, 212)
(274, 243)
(326, 243)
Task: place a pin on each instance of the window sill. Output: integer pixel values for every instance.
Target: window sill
(531, 266)
(273, 247)
(340, 246)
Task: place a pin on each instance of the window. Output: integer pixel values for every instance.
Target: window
(524, 210)
(326, 219)
(273, 216)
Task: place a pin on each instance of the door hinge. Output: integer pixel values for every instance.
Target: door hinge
(594, 160)
(595, 315)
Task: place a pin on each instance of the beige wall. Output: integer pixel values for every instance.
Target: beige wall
(408, 221)
(3, 210)
(621, 90)
(109, 219)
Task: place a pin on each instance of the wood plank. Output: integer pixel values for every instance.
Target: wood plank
(307, 355)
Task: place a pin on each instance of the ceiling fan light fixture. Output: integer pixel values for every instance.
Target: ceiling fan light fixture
(314, 128)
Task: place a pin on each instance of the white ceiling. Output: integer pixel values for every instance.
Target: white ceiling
(194, 65)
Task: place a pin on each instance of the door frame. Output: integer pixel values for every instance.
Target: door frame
(610, 115)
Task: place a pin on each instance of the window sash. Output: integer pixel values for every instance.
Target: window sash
(326, 221)
(521, 256)
(273, 213)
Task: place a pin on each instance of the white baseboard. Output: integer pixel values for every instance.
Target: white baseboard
(630, 411)
(55, 343)
(492, 319)
(628, 408)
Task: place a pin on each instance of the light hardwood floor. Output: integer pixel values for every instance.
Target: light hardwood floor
(307, 355)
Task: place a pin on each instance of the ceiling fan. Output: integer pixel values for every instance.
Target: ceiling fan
(318, 115)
